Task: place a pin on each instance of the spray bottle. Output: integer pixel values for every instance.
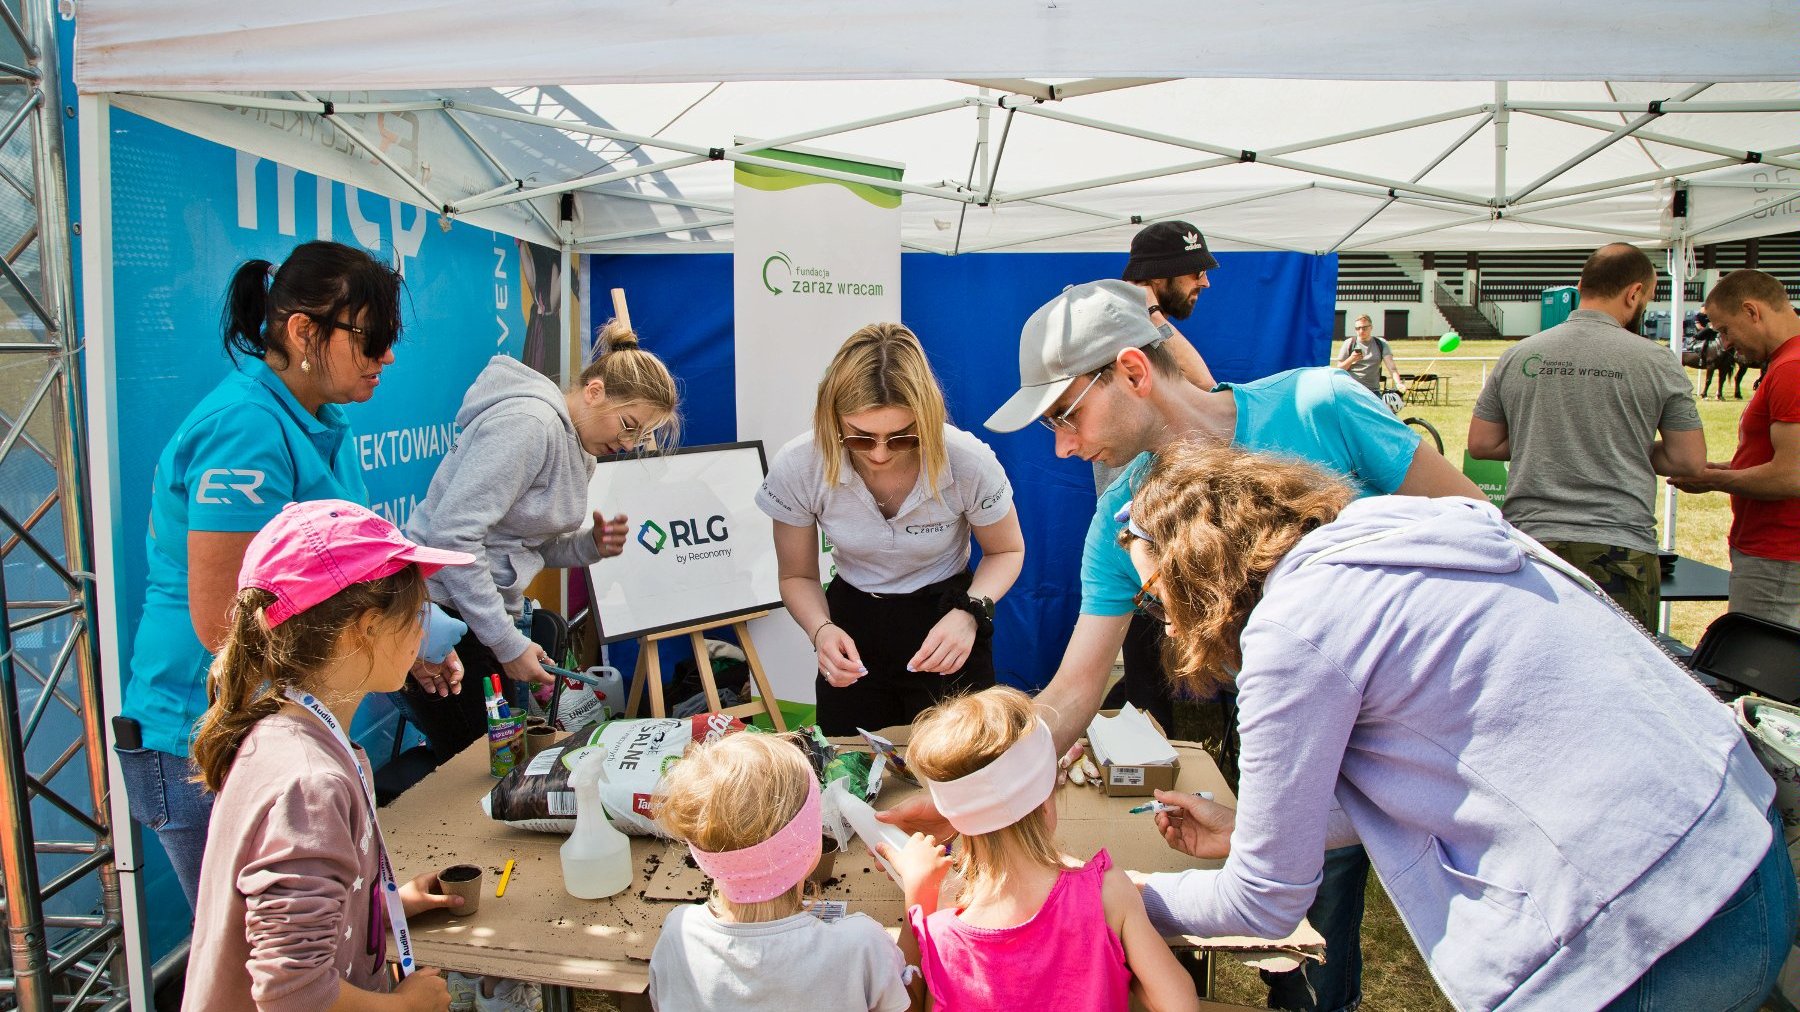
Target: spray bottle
(596, 859)
(862, 821)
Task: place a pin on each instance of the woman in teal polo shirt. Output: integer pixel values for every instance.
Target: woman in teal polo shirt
(306, 338)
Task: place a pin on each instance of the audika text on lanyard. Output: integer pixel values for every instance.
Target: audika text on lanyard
(390, 891)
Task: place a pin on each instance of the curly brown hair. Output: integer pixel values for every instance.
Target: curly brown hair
(1219, 520)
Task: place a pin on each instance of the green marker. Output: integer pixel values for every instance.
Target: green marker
(1157, 806)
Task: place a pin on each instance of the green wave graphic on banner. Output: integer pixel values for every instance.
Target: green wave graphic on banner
(763, 177)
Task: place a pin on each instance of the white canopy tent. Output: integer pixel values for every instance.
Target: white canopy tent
(1033, 125)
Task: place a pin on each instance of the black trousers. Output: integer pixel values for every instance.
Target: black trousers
(888, 630)
(452, 723)
(1146, 684)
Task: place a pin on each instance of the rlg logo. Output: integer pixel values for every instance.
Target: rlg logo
(648, 530)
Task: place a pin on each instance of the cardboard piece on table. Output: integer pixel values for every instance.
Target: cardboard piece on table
(1131, 733)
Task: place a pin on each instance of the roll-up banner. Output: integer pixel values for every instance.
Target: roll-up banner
(814, 260)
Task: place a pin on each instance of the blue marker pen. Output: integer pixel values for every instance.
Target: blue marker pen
(1157, 806)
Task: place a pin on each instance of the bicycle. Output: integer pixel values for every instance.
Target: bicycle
(1395, 401)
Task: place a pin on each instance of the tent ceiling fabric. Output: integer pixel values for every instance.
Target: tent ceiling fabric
(1283, 161)
(384, 45)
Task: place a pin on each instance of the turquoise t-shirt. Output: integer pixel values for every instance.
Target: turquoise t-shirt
(243, 453)
(1320, 415)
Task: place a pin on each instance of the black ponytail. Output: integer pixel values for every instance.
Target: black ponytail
(246, 308)
(327, 281)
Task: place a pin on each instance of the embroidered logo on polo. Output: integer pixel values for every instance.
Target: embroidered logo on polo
(937, 528)
(214, 485)
(988, 503)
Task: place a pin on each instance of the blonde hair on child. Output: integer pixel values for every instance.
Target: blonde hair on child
(257, 662)
(963, 734)
(734, 793)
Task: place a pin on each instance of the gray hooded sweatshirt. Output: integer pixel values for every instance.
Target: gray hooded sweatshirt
(513, 492)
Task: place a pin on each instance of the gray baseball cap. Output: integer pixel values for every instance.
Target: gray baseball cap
(1075, 333)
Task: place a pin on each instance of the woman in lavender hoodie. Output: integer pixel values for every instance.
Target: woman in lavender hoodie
(1564, 819)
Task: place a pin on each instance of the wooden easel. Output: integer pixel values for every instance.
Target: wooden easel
(649, 669)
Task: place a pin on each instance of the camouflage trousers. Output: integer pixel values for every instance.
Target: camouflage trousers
(1630, 577)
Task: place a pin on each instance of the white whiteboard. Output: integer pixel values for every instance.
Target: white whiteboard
(699, 550)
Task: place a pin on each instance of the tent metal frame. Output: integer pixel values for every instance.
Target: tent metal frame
(51, 960)
(1038, 100)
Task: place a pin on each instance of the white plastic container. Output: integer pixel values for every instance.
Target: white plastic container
(596, 859)
(867, 827)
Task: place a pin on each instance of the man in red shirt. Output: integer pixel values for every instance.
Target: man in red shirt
(1751, 310)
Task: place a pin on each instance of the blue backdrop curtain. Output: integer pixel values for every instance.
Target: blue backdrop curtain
(1266, 312)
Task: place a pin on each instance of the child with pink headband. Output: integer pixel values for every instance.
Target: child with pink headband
(1033, 927)
(748, 807)
(297, 901)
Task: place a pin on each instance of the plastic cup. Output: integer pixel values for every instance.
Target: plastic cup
(462, 880)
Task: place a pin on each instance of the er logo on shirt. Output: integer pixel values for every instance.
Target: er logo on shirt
(215, 483)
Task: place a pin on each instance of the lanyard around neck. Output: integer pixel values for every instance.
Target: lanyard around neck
(390, 891)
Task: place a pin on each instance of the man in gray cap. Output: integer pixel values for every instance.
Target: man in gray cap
(1094, 370)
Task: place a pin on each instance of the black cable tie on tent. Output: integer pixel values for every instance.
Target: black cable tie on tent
(1137, 219)
(1246, 156)
(330, 108)
(1753, 157)
(1656, 108)
(1393, 193)
(716, 154)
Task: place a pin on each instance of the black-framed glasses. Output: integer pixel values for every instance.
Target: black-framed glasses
(1150, 604)
(372, 347)
(866, 444)
(1063, 421)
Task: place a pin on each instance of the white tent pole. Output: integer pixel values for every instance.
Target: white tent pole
(582, 183)
(1389, 200)
(978, 162)
(680, 226)
(1600, 145)
(482, 149)
(1058, 92)
(240, 100)
(1397, 236)
(1178, 212)
(1502, 129)
(993, 169)
(1668, 108)
(577, 126)
(1674, 142)
(1737, 184)
(1680, 253)
(1123, 177)
(379, 155)
(1655, 237)
(844, 128)
(1640, 177)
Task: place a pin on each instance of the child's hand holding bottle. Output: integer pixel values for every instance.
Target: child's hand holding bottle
(921, 865)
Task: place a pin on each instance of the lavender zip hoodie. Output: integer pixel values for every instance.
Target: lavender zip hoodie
(1550, 801)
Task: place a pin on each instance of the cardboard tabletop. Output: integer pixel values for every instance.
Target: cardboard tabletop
(538, 932)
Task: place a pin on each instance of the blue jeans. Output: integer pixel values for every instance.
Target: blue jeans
(161, 793)
(1730, 964)
(1336, 913)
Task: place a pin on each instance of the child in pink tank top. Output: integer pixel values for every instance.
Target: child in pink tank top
(1033, 928)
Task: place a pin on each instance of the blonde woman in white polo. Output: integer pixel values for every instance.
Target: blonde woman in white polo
(898, 491)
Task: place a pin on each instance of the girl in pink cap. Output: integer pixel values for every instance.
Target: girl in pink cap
(748, 807)
(1027, 913)
(297, 900)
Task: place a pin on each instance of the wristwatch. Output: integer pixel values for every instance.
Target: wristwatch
(980, 607)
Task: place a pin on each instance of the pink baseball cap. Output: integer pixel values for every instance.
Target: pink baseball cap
(312, 550)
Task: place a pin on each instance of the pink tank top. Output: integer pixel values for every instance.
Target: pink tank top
(1066, 957)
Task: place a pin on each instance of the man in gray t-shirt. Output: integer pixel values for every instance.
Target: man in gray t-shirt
(1364, 356)
(1578, 410)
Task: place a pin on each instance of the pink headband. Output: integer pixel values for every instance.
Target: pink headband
(1005, 790)
(765, 870)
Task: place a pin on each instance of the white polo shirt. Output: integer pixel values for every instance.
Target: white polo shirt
(928, 538)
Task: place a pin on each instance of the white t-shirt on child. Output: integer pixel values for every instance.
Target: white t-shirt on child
(798, 962)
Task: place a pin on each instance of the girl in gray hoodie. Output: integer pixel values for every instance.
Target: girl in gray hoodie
(513, 492)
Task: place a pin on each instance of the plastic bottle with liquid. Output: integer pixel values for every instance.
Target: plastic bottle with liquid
(862, 820)
(596, 859)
